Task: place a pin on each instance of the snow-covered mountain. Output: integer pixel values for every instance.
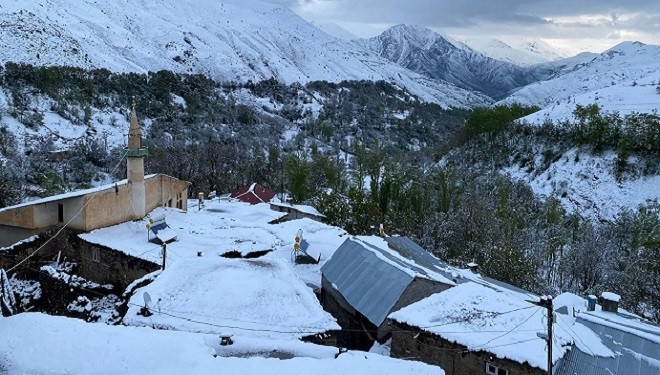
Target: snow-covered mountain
(497, 49)
(337, 31)
(429, 53)
(228, 40)
(537, 48)
(622, 78)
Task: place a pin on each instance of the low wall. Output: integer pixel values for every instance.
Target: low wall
(412, 343)
(113, 267)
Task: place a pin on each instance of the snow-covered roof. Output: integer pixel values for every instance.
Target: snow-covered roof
(35, 343)
(221, 227)
(72, 194)
(257, 297)
(483, 319)
(299, 207)
(636, 343)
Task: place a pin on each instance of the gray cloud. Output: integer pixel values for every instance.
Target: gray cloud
(558, 19)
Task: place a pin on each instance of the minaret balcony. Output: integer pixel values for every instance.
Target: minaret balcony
(136, 153)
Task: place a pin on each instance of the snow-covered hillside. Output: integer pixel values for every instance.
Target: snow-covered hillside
(586, 184)
(625, 65)
(427, 52)
(639, 96)
(228, 40)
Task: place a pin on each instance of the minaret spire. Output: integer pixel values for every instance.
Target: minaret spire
(135, 154)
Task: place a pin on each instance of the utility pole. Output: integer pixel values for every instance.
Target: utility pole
(282, 180)
(546, 301)
(164, 255)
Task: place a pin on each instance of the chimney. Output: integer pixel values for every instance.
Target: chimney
(610, 301)
(474, 267)
(591, 302)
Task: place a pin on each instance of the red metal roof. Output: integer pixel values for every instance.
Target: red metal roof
(253, 194)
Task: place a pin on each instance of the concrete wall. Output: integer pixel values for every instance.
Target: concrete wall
(105, 208)
(19, 217)
(9, 235)
(109, 207)
(450, 356)
(163, 190)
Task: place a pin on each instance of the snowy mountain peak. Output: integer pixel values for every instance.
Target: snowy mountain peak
(414, 34)
(522, 52)
(433, 55)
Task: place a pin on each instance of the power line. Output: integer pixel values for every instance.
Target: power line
(65, 225)
(512, 329)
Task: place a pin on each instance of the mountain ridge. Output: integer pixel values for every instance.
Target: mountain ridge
(429, 53)
(230, 40)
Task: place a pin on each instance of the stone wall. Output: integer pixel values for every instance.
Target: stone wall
(114, 267)
(417, 290)
(415, 344)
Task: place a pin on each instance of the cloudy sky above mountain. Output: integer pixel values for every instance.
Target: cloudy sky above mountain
(573, 26)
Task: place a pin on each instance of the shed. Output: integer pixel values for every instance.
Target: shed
(296, 211)
(253, 194)
(365, 280)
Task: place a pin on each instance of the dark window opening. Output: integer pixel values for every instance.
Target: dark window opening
(96, 255)
(60, 213)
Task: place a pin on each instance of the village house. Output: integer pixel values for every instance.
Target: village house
(296, 211)
(366, 280)
(635, 342)
(474, 329)
(86, 210)
(253, 194)
(369, 277)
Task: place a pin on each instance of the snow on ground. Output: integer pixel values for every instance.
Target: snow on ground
(620, 65)
(249, 297)
(223, 226)
(588, 186)
(41, 344)
(498, 324)
(638, 96)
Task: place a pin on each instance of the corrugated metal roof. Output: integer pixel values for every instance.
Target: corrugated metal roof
(372, 286)
(636, 355)
(412, 250)
(417, 253)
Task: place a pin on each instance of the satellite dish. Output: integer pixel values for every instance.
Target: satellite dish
(147, 299)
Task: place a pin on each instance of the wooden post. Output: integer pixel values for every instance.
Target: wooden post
(164, 255)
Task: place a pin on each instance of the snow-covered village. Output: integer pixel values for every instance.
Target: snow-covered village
(316, 187)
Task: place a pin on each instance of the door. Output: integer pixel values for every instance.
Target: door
(60, 213)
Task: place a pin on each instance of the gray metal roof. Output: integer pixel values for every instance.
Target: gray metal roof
(634, 353)
(371, 285)
(412, 250)
(420, 256)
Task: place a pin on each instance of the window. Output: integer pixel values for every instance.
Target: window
(96, 255)
(492, 369)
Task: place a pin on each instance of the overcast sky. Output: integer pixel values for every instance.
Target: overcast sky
(572, 25)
